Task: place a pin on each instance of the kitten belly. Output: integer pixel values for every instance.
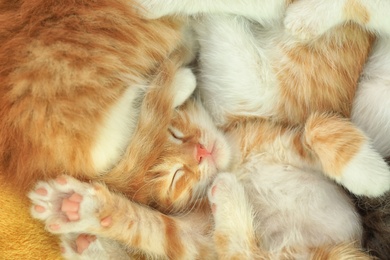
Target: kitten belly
(298, 208)
(370, 108)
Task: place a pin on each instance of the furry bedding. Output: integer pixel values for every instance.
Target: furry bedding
(22, 237)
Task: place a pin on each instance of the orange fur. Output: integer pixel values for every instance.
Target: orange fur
(322, 75)
(339, 252)
(340, 138)
(63, 64)
(355, 11)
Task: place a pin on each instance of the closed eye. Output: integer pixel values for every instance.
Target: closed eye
(176, 134)
(176, 176)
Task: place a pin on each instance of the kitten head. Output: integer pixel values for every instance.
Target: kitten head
(193, 153)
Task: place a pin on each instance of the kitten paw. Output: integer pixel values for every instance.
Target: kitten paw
(221, 190)
(184, 85)
(233, 215)
(67, 205)
(89, 247)
(309, 19)
(77, 246)
(366, 174)
(227, 198)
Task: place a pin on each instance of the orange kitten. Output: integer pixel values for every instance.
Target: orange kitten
(72, 76)
(270, 199)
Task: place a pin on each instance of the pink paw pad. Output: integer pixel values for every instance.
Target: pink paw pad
(70, 206)
(213, 190)
(39, 209)
(105, 222)
(54, 226)
(83, 241)
(41, 191)
(61, 180)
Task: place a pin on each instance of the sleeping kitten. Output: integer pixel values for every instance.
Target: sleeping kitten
(361, 150)
(72, 74)
(273, 200)
(279, 76)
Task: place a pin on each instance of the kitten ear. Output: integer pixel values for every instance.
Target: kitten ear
(184, 85)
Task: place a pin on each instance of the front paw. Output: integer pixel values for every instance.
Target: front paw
(221, 190)
(366, 174)
(66, 205)
(227, 196)
(184, 85)
(233, 214)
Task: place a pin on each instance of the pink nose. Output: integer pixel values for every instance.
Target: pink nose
(201, 152)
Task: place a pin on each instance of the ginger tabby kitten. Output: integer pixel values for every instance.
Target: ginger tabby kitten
(267, 183)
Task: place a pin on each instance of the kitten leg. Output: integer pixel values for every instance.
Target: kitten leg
(308, 19)
(69, 206)
(346, 155)
(234, 234)
(184, 84)
(259, 10)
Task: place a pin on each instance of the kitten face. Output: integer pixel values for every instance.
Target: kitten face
(193, 153)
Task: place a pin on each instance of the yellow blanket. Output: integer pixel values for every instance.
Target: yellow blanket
(22, 237)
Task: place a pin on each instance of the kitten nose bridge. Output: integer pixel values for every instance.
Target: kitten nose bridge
(201, 152)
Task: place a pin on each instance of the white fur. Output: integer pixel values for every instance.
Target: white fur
(235, 57)
(183, 86)
(116, 131)
(233, 213)
(366, 173)
(282, 205)
(260, 10)
(311, 18)
(295, 207)
(308, 19)
(371, 107)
